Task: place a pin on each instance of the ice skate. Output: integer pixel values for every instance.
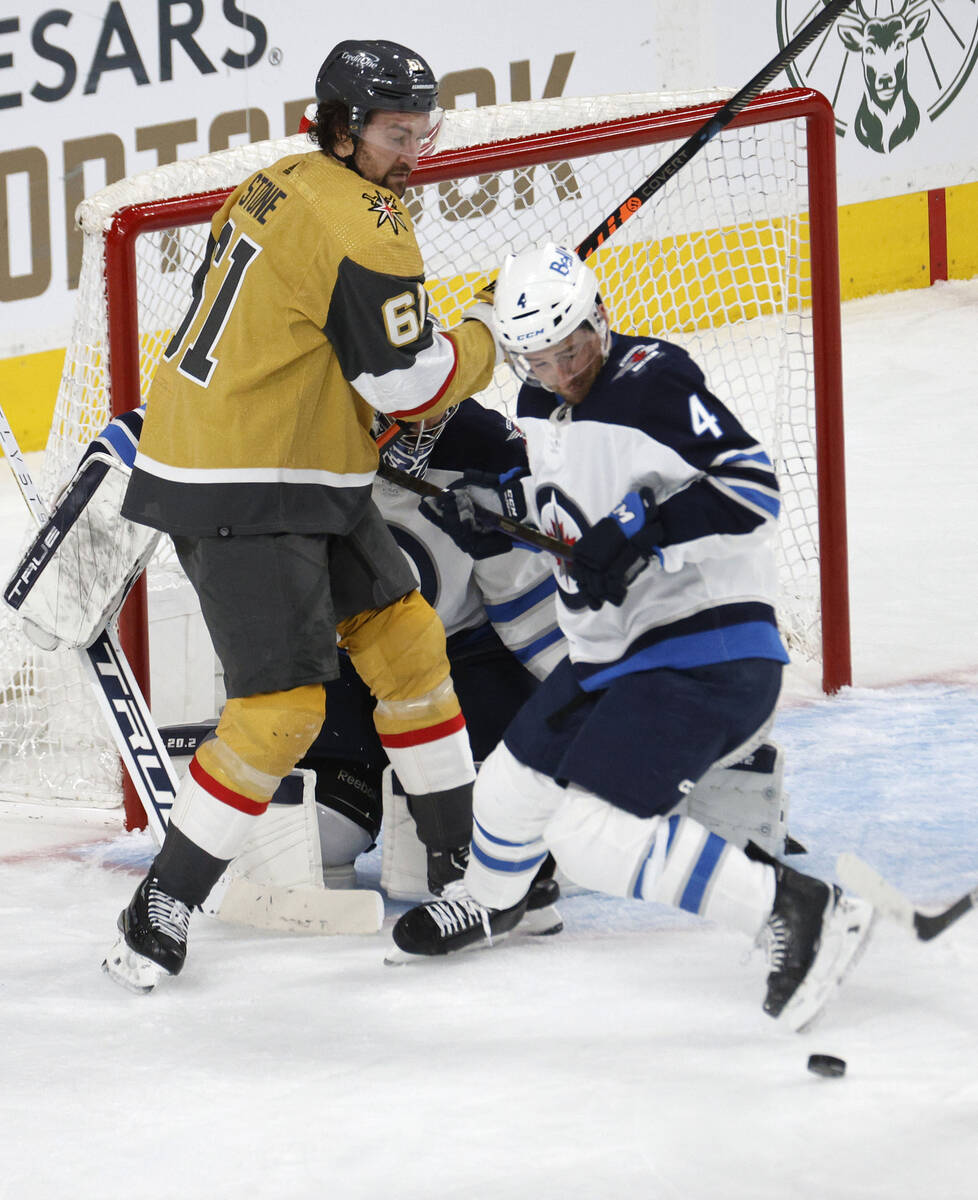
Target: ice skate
(455, 921)
(445, 867)
(814, 937)
(542, 918)
(153, 940)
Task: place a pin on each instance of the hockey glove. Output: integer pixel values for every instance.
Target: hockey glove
(609, 555)
(481, 311)
(456, 510)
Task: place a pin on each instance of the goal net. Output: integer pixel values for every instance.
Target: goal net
(734, 258)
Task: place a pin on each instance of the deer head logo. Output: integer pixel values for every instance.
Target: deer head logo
(888, 114)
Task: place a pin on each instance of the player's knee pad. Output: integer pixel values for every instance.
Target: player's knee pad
(598, 845)
(399, 652)
(259, 739)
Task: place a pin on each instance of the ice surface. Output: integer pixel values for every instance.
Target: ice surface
(627, 1056)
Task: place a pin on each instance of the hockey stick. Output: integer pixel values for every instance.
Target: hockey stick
(676, 161)
(708, 131)
(860, 877)
(515, 529)
(234, 897)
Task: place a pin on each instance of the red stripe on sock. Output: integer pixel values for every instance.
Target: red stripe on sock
(234, 799)
(418, 737)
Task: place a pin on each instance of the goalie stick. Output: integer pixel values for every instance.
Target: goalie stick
(858, 876)
(234, 898)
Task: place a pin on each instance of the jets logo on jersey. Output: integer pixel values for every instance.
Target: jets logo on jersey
(386, 210)
(637, 359)
(561, 518)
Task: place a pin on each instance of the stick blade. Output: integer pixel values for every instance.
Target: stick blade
(858, 876)
(301, 909)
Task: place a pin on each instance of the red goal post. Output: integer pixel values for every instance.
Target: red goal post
(736, 258)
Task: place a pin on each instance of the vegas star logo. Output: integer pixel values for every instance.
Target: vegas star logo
(386, 209)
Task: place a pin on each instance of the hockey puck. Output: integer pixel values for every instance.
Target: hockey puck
(826, 1065)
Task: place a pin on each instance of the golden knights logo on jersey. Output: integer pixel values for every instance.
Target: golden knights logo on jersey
(386, 209)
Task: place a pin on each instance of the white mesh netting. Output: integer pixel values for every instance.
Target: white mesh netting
(718, 261)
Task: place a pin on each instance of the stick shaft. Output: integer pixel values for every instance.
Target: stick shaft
(516, 530)
(709, 130)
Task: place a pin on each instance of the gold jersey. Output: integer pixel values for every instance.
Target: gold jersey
(308, 312)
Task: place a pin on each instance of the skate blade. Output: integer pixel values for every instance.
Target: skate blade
(843, 944)
(540, 922)
(396, 957)
(130, 970)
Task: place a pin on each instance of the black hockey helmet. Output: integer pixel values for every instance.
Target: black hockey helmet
(365, 75)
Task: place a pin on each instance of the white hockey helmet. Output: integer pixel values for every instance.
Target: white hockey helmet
(542, 296)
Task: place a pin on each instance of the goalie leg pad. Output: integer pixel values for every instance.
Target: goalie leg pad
(404, 860)
(284, 847)
(744, 801)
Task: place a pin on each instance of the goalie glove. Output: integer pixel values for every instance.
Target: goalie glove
(609, 555)
(455, 510)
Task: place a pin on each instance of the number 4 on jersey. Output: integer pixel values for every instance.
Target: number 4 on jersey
(702, 419)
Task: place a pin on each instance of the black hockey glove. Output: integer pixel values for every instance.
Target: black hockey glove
(609, 555)
(457, 510)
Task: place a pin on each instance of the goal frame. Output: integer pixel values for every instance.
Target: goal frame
(130, 222)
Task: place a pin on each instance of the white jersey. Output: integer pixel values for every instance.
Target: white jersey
(649, 421)
(514, 592)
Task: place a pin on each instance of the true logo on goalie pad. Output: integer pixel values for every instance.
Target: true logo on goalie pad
(86, 557)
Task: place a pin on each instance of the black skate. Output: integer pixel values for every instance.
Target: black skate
(452, 922)
(154, 939)
(814, 936)
(541, 917)
(457, 922)
(445, 867)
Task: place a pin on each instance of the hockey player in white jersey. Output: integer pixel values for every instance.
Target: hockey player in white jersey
(675, 659)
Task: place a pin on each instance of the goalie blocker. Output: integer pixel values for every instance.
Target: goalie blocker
(80, 567)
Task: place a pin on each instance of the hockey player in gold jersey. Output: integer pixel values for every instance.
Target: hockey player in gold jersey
(308, 314)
